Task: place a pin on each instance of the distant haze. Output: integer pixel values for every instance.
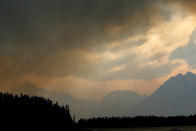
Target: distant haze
(175, 97)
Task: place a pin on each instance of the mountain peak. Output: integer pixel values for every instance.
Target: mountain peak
(176, 96)
(189, 74)
(179, 75)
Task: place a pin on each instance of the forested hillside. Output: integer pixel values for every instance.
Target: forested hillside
(24, 113)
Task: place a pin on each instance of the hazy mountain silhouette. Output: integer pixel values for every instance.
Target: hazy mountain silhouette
(117, 103)
(175, 97)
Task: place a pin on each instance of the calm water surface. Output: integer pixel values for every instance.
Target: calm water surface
(185, 128)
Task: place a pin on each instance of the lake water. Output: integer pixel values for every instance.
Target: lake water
(185, 128)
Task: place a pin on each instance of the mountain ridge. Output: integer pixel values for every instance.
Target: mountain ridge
(87, 108)
(176, 96)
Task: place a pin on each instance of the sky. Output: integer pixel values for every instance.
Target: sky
(88, 48)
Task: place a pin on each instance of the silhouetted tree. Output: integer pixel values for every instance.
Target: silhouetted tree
(24, 113)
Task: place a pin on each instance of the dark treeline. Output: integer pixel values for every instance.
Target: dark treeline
(24, 113)
(139, 121)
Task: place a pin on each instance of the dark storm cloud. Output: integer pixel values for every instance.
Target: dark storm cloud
(71, 24)
(33, 33)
